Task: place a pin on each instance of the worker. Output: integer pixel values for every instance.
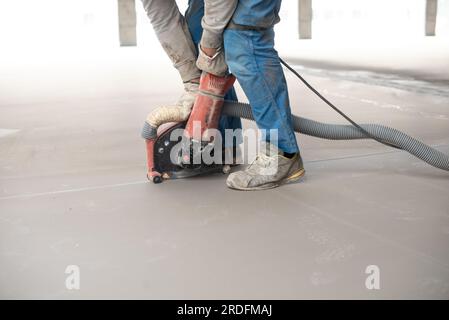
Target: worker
(235, 35)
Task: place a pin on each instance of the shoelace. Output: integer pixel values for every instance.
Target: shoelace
(261, 160)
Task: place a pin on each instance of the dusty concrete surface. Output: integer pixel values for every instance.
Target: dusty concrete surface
(73, 192)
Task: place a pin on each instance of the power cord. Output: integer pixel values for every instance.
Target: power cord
(330, 104)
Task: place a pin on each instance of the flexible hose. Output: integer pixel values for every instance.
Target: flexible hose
(349, 132)
(340, 132)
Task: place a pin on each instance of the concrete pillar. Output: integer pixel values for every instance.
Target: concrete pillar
(305, 19)
(431, 16)
(127, 22)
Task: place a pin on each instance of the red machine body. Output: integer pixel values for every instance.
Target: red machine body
(206, 111)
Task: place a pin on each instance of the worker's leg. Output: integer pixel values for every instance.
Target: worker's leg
(251, 57)
(193, 15)
(173, 34)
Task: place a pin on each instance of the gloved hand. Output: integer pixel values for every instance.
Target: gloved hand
(180, 111)
(187, 99)
(215, 64)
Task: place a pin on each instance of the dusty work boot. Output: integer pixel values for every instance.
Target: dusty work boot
(269, 170)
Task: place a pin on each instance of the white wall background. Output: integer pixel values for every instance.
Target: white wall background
(50, 23)
(373, 20)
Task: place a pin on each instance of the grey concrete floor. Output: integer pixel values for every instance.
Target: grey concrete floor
(73, 192)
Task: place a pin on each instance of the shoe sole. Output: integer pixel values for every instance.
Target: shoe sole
(290, 179)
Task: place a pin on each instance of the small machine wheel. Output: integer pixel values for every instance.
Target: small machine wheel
(157, 179)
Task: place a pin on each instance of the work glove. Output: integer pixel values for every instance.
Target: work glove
(215, 65)
(187, 99)
(180, 111)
